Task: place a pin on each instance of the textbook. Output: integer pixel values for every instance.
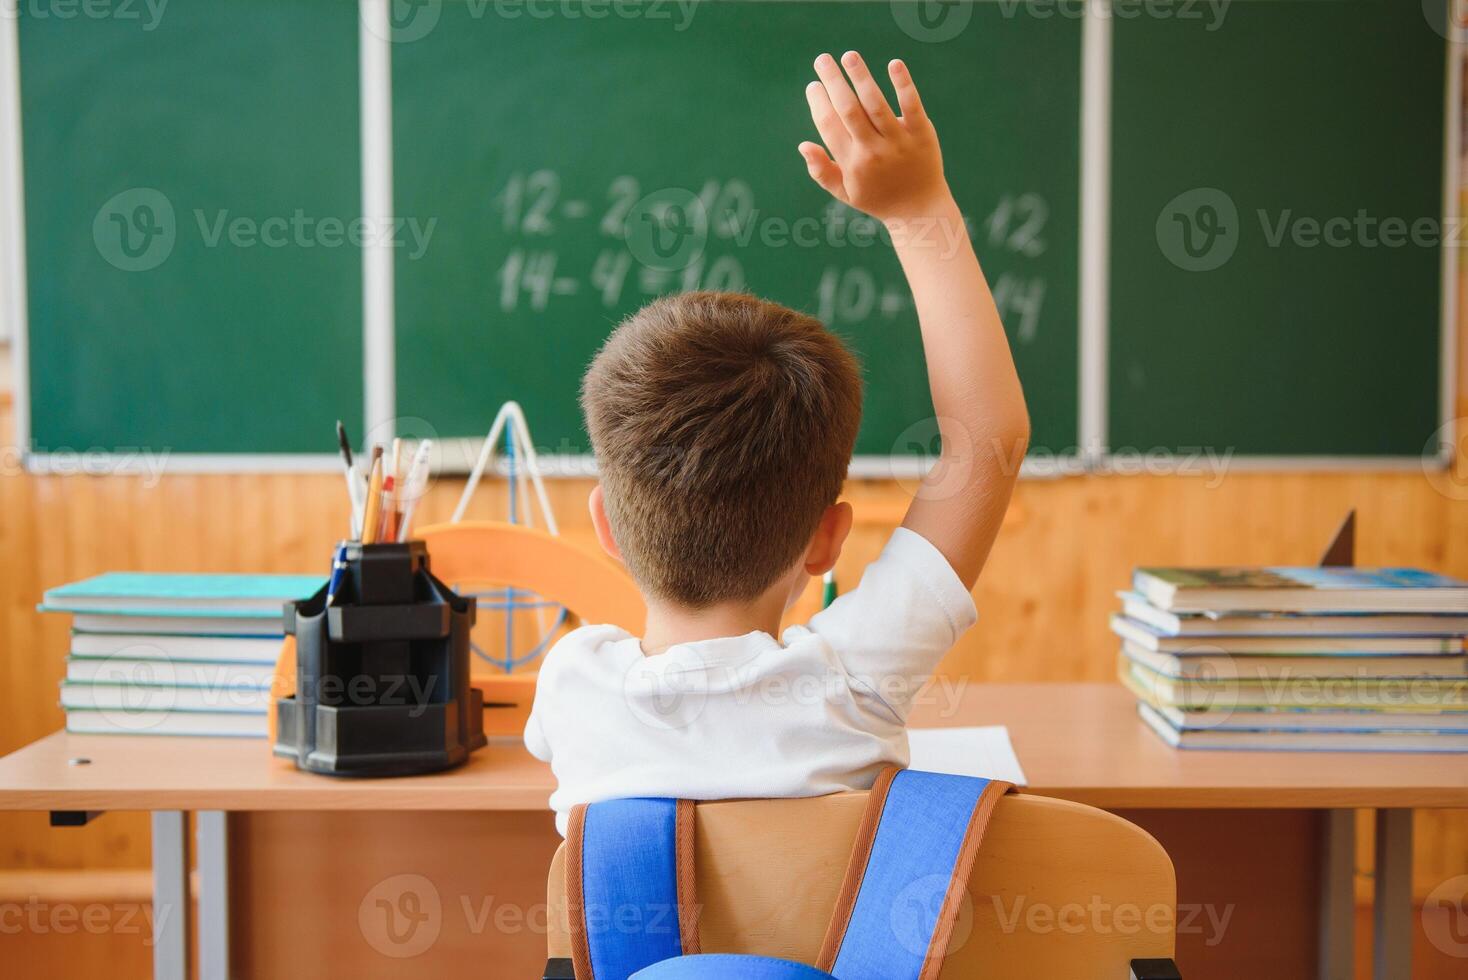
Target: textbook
(154, 646)
(181, 625)
(1233, 623)
(173, 594)
(1142, 635)
(1233, 693)
(173, 654)
(113, 722)
(1449, 719)
(168, 673)
(1302, 741)
(1280, 589)
(152, 697)
(1222, 666)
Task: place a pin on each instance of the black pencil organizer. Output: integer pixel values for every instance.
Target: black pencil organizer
(382, 673)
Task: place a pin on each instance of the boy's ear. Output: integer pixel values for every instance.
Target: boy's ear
(601, 525)
(830, 536)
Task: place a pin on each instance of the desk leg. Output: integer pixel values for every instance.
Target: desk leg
(1393, 913)
(1338, 895)
(170, 895)
(212, 839)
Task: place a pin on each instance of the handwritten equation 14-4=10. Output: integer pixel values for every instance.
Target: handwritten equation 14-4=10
(665, 240)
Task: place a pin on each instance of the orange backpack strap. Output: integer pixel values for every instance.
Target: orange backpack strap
(688, 907)
(909, 870)
(630, 886)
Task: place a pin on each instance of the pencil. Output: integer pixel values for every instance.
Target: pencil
(374, 498)
(385, 519)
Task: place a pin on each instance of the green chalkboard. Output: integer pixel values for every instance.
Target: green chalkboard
(536, 142)
(191, 180)
(1260, 301)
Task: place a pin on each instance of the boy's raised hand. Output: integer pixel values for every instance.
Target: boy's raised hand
(890, 167)
(887, 165)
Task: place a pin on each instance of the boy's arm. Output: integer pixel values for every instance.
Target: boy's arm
(891, 168)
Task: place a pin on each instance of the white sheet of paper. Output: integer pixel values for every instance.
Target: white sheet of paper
(973, 751)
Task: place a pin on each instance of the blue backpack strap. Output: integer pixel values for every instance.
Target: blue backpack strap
(909, 871)
(629, 885)
(729, 966)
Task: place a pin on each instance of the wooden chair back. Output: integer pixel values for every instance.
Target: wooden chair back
(1059, 889)
(581, 578)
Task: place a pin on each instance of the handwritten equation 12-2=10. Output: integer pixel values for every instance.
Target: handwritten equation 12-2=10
(661, 241)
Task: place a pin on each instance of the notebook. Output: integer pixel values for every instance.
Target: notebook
(77, 696)
(1385, 590)
(1233, 623)
(198, 723)
(1145, 636)
(169, 673)
(1223, 667)
(181, 594)
(1302, 741)
(153, 646)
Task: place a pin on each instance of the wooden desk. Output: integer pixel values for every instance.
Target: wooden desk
(1284, 820)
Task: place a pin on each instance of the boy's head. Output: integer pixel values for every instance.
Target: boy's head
(722, 426)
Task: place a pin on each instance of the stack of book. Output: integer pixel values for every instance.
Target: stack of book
(170, 654)
(1325, 659)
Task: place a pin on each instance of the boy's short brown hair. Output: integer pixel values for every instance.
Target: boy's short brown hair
(722, 425)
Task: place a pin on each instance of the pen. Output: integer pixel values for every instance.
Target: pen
(338, 572)
(393, 502)
(414, 486)
(345, 445)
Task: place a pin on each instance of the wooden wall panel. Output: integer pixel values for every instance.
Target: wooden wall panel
(1067, 546)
